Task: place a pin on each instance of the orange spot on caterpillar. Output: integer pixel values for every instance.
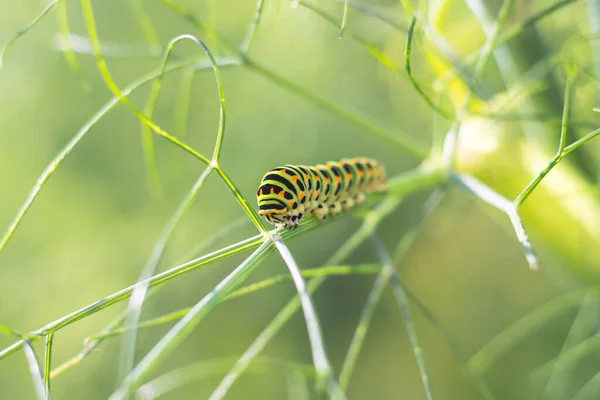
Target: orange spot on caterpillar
(291, 202)
(301, 195)
(272, 190)
(338, 178)
(295, 178)
(305, 176)
(282, 193)
(282, 171)
(361, 172)
(316, 177)
(317, 193)
(326, 196)
(349, 175)
(326, 180)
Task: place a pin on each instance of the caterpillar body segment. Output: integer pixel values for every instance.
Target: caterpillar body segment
(288, 193)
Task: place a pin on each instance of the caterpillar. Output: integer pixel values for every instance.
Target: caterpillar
(288, 193)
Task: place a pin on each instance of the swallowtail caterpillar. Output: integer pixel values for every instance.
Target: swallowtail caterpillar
(288, 193)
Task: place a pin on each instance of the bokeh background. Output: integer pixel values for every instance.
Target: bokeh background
(94, 224)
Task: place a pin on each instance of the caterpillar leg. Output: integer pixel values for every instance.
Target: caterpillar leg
(348, 203)
(335, 209)
(360, 198)
(296, 216)
(321, 212)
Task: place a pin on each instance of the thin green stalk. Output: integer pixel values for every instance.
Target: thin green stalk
(151, 168)
(82, 45)
(381, 282)
(560, 153)
(417, 179)
(152, 175)
(368, 46)
(88, 14)
(407, 7)
(495, 199)
(48, 364)
(325, 378)
(493, 37)
(407, 67)
(221, 129)
(403, 245)
(342, 270)
(181, 111)
(380, 14)
(158, 279)
(252, 30)
(147, 138)
(35, 370)
(183, 376)
(562, 150)
(68, 52)
(363, 326)
(88, 348)
(333, 270)
(145, 23)
(344, 19)
(258, 221)
(402, 301)
(582, 141)
(26, 29)
(215, 237)
(189, 17)
(138, 296)
(185, 326)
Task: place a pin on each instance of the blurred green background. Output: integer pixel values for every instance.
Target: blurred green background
(94, 224)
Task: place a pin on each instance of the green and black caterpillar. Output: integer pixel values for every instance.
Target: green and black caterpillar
(288, 193)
